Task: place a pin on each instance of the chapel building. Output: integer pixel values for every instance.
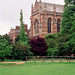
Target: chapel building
(45, 18)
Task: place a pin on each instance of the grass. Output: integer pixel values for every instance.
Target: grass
(6, 64)
(38, 69)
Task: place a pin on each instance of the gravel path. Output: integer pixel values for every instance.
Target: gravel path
(17, 63)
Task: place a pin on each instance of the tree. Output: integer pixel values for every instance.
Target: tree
(17, 38)
(51, 42)
(57, 45)
(21, 48)
(7, 37)
(38, 46)
(23, 37)
(20, 51)
(72, 35)
(68, 24)
(62, 46)
(5, 48)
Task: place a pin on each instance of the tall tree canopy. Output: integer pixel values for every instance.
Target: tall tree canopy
(22, 48)
(68, 20)
(22, 30)
(68, 23)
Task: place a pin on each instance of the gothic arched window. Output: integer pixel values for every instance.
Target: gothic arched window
(49, 25)
(58, 25)
(36, 26)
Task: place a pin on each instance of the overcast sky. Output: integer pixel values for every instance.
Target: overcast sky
(10, 12)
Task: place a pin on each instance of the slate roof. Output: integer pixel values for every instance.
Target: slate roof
(50, 7)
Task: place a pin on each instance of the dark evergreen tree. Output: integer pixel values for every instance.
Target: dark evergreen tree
(22, 30)
(68, 24)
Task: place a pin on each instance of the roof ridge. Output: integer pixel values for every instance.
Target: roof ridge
(53, 3)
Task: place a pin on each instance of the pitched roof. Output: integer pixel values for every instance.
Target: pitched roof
(50, 7)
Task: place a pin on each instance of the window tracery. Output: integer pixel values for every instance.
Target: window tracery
(58, 25)
(49, 25)
(36, 26)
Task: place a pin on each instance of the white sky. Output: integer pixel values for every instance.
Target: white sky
(10, 12)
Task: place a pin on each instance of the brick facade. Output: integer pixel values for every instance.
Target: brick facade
(45, 18)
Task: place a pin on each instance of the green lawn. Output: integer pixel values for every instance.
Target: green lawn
(38, 69)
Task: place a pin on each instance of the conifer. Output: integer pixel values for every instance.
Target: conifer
(22, 30)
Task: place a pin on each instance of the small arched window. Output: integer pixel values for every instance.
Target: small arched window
(36, 26)
(58, 25)
(49, 25)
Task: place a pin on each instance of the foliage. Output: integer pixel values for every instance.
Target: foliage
(21, 48)
(58, 45)
(20, 51)
(72, 35)
(68, 25)
(38, 46)
(63, 46)
(69, 2)
(17, 39)
(5, 49)
(7, 37)
(22, 30)
(51, 42)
